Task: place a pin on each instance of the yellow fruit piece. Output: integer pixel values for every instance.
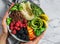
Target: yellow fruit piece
(44, 16)
(45, 23)
(30, 31)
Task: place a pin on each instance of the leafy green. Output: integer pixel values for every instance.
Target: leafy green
(36, 9)
(20, 7)
(8, 21)
(37, 25)
(16, 7)
(13, 8)
(37, 32)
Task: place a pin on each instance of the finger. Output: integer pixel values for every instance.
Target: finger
(29, 42)
(3, 36)
(21, 43)
(38, 38)
(4, 19)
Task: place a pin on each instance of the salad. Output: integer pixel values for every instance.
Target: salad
(27, 21)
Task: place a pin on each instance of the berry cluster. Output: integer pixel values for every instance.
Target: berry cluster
(16, 26)
(23, 34)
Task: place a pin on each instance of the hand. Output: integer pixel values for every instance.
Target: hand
(36, 40)
(4, 34)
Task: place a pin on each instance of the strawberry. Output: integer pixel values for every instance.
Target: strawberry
(14, 31)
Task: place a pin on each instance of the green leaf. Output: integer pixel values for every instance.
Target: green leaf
(8, 21)
(20, 7)
(37, 32)
(36, 9)
(42, 29)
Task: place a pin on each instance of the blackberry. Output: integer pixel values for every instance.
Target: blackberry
(23, 34)
(19, 36)
(27, 38)
(23, 37)
(25, 31)
(21, 31)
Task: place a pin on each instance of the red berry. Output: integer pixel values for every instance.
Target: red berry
(11, 28)
(14, 31)
(12, 24)
(24, 25)
(25, 21)
(18, 29)
(21, 25)
(17, 24)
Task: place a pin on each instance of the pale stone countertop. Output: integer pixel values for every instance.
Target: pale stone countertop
(52, 9)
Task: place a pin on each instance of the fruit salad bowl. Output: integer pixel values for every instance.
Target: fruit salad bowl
(26, 21)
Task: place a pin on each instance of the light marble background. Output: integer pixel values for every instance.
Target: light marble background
(52, 9)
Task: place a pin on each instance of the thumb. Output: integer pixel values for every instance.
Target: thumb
(3, 38)
(4, 26)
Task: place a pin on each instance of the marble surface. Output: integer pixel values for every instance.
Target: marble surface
(52, 9)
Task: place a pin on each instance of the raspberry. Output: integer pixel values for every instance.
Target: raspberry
(21, 25)
(14, 31)
(24, 21)
(24, 25)
(17, 24)
(18, 29)
(12, 24)
(11, 28)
